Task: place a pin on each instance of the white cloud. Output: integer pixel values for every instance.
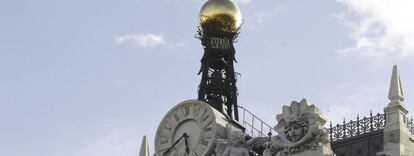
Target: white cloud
(177, 45)
(148, 40)
(143, 40)
(261, 16)
(379, 27)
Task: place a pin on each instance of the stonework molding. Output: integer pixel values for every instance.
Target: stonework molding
(235, 145)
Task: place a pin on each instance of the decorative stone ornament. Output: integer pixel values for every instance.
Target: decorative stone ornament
(193, 128)
(301, 132)
(398, 140)
(234, 146)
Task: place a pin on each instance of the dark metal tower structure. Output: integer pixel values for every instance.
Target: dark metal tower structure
(218, 78)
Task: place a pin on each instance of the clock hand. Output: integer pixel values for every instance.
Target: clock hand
(176, 142)
(186, 143)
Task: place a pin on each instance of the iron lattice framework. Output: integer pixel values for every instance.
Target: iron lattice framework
(218, 79)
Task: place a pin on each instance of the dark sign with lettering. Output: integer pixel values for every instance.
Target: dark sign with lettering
(219, 43)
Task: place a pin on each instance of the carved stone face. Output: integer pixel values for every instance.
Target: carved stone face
(295, 132)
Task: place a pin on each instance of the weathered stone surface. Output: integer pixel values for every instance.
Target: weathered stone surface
(301, 132)
(398, 141)
(236, 145)
(395, 93)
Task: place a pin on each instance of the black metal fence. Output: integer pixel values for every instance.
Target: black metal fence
(410, 125)
(365, 125)
(255, 127)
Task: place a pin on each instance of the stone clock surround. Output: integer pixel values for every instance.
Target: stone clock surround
(202, 123)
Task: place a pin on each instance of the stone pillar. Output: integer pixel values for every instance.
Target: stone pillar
(144, 151)
(398, 141)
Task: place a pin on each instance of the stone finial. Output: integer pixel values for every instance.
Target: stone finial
(395, 94)
(144, 147)
(396, 133)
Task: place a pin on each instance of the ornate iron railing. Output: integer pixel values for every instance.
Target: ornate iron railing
(359, 127)
(255, 127)
(410, 125)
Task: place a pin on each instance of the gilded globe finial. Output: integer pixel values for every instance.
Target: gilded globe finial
(221, 14)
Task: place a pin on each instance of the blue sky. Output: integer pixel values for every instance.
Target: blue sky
(90, 78)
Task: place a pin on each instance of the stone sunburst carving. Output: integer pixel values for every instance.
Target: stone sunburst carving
(300, 129)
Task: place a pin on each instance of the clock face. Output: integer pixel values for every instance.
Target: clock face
(194, 118)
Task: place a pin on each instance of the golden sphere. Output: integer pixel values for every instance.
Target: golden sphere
(224, 14)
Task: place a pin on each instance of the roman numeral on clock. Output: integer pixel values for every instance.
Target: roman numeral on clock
(196, 110)
(176, 117)
(206, 117)
(186, 110)
(208, 129)
(198, 151)
(204, 142)
(163, 139)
